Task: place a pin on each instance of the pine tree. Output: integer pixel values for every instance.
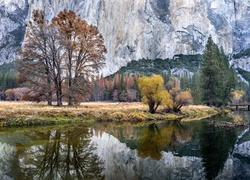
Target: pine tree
(217, 77)
(195, 88)
(185, 81)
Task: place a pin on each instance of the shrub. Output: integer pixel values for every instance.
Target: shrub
(136, 116)
(119, 116)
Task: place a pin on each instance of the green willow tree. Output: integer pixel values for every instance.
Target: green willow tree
(217, 77)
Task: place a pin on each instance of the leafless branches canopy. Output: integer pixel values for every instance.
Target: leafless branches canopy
(62, 57)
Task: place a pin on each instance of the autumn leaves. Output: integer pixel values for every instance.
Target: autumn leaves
(154, 93)
(58, 59)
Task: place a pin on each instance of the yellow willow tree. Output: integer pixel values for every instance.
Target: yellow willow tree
(84, 52)
(153, 92)
(237, 96)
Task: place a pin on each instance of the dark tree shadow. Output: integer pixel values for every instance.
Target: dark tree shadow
(216, 145)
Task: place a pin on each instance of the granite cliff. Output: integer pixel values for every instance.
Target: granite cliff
(139, 29)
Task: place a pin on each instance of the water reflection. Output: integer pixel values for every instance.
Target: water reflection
(121, 162)
(154, 139)
(168, 150)
(65, 154)
(216, 146)
(6, 156)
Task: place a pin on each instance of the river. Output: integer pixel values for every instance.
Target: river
(153, 150)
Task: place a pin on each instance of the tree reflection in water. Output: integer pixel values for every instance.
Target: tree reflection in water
(216, 145)
(66, 155)
(154, 139)
(151, 143)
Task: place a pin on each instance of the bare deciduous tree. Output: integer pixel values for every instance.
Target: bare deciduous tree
(178, 98)
(84, 47)
(60, 58)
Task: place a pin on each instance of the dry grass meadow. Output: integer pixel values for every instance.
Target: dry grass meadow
(27, 113)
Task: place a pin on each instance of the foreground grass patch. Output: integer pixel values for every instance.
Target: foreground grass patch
(29, 114)
(198, 112)
(41, 120)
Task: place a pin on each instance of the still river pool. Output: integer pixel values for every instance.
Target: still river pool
(167, 150)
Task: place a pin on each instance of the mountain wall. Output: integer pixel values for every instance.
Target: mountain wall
(13, 13)
(140, 29)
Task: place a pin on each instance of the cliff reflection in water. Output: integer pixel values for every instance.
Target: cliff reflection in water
(169, 150)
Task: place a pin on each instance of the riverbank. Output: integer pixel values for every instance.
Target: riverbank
(29, 114)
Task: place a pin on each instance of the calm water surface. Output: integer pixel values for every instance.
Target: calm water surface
(166, 150)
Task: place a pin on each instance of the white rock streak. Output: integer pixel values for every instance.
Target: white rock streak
(153, 28)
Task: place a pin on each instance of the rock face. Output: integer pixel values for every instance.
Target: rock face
(12, 16)
(149, 28)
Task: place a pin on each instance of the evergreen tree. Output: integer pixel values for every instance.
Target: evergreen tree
(195, 88)
(185, 81)
(166, 76)
(228, 80)
(7, 81)
(217, 77)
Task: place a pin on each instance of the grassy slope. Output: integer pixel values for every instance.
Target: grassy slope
(157, 66)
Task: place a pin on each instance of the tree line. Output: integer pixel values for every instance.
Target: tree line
(8, 80)
(118, 87)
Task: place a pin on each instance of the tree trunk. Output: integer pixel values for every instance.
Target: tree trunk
(59, 93)
(49, 97)
(151, 105)
(58, 98)
(70, 99)
(70, 93)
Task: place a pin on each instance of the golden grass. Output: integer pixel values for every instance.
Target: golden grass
(35, 108)
(197, 112)
(10, 111)
(27, 113)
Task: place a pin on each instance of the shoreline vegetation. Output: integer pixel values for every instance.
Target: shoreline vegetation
(31, 114)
